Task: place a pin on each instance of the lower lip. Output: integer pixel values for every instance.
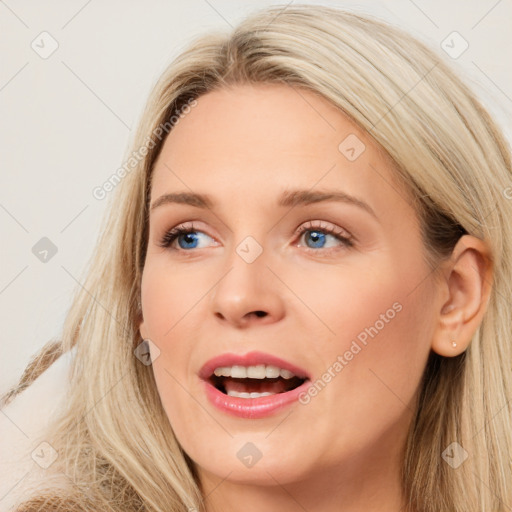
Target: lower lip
(253, 408)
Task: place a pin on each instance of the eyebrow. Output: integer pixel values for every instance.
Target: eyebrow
(289, 198)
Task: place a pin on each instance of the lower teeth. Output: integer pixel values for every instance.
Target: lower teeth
(248, 395)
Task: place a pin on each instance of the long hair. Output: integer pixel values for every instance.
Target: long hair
(114, 439)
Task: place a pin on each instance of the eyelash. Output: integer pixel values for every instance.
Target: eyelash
(171, 235)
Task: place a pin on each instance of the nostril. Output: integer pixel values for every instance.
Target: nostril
(260, 313)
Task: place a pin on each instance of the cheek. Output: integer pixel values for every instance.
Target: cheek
(380, 331)
(168, 294)
(349, 298)
(171, 300)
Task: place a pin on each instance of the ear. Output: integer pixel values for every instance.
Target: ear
(465, 288)
(142, 330)
(140, 319)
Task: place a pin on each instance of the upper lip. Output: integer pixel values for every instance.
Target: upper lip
(249, 359)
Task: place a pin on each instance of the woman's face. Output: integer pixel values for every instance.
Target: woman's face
(267, 268)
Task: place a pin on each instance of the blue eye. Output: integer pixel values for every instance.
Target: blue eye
(188, 237)
(318, 238)
(319, 234)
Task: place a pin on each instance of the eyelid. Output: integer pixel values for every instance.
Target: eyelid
(313, 225)
(342, 235)
(165, 242)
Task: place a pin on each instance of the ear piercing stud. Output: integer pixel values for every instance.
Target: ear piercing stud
(454, 344)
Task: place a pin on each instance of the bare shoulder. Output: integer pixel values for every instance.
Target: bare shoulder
(25, 456)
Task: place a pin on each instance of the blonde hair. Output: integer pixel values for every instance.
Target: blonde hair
(114, 438)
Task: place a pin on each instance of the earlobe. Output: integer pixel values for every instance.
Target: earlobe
(140, 319)
(142, 330)
(142, 327)
(467, 280)
(447, 340)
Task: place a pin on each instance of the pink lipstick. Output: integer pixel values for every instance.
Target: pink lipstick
(254, 385)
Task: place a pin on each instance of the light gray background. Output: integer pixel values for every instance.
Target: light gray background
(66, 121)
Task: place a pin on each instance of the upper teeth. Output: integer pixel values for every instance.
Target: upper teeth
(259, 371)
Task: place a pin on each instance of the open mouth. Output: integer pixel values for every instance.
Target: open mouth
(253, 385)
(245, 387)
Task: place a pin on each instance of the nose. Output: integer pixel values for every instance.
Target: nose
(248, 294)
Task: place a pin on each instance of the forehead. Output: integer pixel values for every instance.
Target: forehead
(257, 140)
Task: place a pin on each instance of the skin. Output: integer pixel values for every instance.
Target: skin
(341, 451)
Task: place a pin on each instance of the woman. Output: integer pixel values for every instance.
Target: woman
(301, 296)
